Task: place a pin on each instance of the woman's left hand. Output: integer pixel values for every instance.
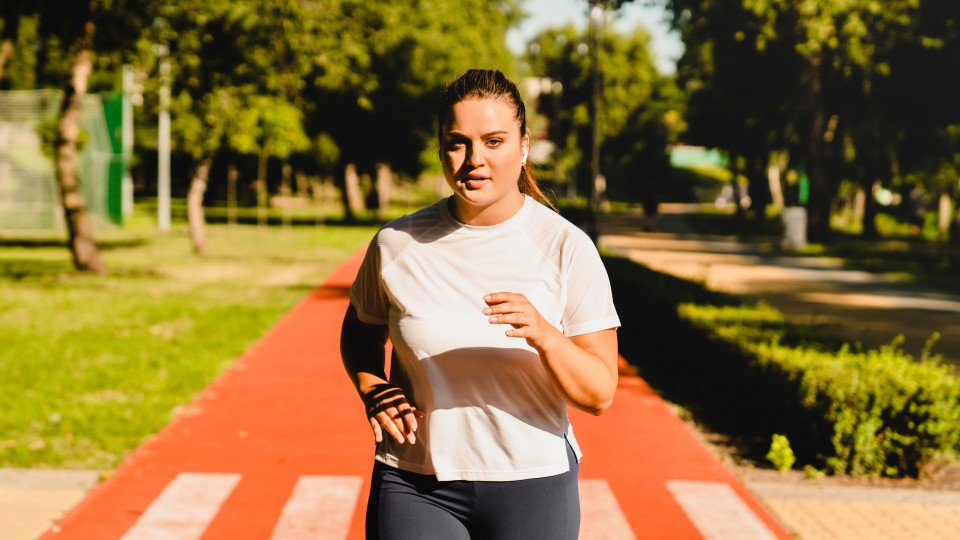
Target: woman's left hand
(583, 367)
(516, 310)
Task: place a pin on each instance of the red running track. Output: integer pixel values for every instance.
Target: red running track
(285, 411)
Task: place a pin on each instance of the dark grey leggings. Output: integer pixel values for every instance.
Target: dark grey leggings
(410, 506)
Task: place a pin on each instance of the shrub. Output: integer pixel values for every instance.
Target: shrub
(780, 454)
(744, 371)
(865, 413)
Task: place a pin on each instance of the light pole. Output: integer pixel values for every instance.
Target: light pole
(556, 90)
(163, 144)
(553, 88)
(593, 38)
(126, 137)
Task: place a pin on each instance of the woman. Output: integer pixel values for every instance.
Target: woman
(500, 313)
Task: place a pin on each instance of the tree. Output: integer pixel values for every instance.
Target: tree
(267, 127)
(238, 69)
(394, 58)
(839, 50)
(73, 38)
(634, 109)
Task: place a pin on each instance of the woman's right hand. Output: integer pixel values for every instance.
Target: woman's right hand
(388, 409)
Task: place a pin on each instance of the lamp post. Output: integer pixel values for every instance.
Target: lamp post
(163, 143)
(553, 88)
(556, 90)
(593, 39)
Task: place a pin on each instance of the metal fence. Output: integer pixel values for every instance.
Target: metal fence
(29, 197)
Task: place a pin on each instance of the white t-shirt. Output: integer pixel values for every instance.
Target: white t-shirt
(491, 410)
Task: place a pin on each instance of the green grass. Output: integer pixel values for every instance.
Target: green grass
(91, 366)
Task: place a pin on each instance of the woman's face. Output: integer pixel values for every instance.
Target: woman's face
(482, 152)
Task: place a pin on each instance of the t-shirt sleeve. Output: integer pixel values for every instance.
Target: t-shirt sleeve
(367, 293)
(589, 303)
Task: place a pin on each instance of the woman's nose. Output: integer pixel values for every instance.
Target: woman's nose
(475, 157)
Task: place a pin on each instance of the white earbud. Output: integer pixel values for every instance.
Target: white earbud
(523, 160)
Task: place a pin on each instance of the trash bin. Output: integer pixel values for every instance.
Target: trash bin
(794, 228)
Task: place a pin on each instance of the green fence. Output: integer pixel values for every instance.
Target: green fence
(29, 197)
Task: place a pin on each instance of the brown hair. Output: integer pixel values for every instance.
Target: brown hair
(490, 84)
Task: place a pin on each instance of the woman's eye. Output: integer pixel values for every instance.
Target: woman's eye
(494, 142)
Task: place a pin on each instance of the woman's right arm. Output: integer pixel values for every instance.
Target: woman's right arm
(363, 350)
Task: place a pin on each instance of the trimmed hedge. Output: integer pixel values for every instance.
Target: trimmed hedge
(743, 370)
(882, 412)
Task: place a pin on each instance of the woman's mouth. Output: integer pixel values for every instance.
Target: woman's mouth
(473, 182)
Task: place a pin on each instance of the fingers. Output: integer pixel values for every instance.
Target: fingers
(516, 310)
(403, 418)
(501, 297)
(397, 424)
(516, 320)
(377, 432)
(510, 308)
(389, 411)
(501, 304)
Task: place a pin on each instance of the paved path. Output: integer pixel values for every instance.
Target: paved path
(276, 448)
(859, 306)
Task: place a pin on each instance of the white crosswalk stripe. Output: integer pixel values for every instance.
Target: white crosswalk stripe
(322, 507)
(185, 508)
(717, 511)
(319, 507)
(601, 517)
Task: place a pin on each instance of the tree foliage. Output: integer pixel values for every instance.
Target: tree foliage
(313, 80)
(637, 111)
(405, 52)
(829, 82)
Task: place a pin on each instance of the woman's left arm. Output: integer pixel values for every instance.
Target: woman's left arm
(583, 367)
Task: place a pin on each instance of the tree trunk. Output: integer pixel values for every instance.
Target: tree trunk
(317, 194)
(340, 182)
(775, 173)
(10, 15)
(352, 192)
(286, 193)
(262, 189)
(6, 52)
(869, 181)
(869, 230)
(955, 224)
(759, 186)
(195, 218)
(736, 170)
(384, 186)
(944, 215)
(232, 175)
(82, 246)
(818, 206)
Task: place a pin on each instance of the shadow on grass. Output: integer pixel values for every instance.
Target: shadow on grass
(32, 243)
(724, 387)
(20, 269)
(298, 221)
(45, 270)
